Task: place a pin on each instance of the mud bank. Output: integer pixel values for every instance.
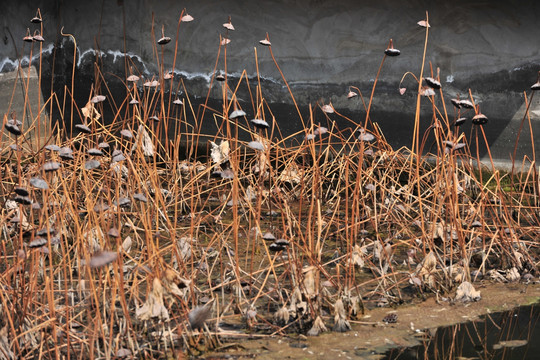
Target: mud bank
(370, 337)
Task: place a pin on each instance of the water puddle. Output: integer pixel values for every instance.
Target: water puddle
(505, 335)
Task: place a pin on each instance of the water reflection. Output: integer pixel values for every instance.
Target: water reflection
(506, 335)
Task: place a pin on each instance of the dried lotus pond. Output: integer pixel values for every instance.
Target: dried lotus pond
(326, 242)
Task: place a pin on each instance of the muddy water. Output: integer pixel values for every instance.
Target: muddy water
(417, 325)
(506, 335)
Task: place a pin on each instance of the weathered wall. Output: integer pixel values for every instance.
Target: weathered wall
(322, 47)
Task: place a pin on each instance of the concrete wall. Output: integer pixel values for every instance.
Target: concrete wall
(21, 99)
(322, 46)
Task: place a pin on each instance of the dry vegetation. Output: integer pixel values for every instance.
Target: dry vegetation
(112, 246)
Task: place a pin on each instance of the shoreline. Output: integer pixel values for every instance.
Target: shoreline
(372, 341)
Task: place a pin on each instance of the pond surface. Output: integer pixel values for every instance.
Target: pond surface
(506, 335)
